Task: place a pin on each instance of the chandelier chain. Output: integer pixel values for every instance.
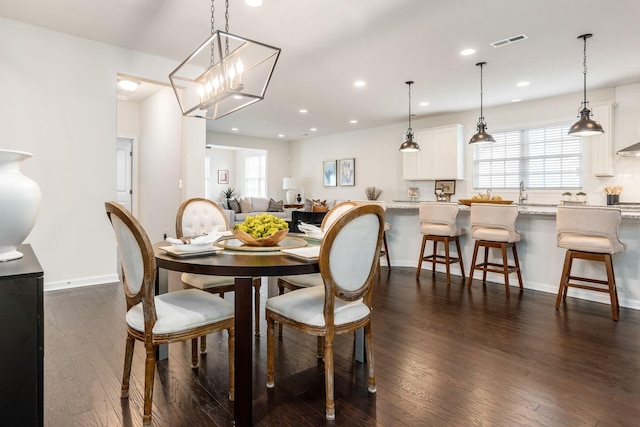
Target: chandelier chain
(481, 91)
(409, 105)
(584, 71)
(213, 21)
(226, 26)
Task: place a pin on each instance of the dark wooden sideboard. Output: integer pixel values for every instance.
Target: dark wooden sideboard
(22, 340)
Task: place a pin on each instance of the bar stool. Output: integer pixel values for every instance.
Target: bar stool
(589, 233)
(438, 224)
(494, 226)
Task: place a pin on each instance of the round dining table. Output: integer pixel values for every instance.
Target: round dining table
(244, 265)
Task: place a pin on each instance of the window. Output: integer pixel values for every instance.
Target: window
(544, 158)
(255, 181)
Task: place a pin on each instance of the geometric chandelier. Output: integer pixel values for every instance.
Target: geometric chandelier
(226, 73)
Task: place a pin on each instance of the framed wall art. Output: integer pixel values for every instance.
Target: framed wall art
(446, 187)
(223, 176)
(347, 172)
(329, 173)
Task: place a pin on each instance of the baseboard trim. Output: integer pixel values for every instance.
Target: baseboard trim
(79, 283)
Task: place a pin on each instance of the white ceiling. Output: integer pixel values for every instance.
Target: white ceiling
(328, 44)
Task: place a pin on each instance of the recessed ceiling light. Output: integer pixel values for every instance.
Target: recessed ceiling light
(281, 135)
(353, 121)
(424, 104)
(129, 85)
(359, 83)
(303, 110)
(234, 129)
(313, 129)
(253, 3)
(522, 84)
(237, 97)
(467, 52)
(516, 100)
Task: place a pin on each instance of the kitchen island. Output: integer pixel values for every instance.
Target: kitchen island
(540, 259)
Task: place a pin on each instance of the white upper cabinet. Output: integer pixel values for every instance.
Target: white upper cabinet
(441, 155)
(601, 147)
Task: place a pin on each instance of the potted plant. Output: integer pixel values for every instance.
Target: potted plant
(582, 196)
(227, 195)
(566, 195)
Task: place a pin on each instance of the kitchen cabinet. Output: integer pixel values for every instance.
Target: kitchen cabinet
(441, 155)
(22, 337)
(601, 147)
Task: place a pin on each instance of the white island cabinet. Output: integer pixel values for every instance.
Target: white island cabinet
(441, 155)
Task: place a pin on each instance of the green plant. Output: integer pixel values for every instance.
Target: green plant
(581, 193)
(566, 193)
(229, 193)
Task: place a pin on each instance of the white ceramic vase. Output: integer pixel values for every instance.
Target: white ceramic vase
(19, 202)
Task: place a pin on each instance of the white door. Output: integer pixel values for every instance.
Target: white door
(124, 158)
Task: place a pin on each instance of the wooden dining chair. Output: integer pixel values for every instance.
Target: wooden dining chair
(197, 217)
(348, 262)
(175, 316)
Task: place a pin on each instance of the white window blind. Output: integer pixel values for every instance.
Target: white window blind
(255, 182)
(544, 158)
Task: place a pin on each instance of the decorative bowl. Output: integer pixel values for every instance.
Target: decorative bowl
(272, 240)
(495, 202)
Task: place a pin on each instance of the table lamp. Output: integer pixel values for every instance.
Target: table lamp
(290, 184)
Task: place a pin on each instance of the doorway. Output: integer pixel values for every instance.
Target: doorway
(124, 172)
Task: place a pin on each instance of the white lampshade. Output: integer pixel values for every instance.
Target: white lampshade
(289, 183)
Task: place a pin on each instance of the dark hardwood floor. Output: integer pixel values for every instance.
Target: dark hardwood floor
(444, 356)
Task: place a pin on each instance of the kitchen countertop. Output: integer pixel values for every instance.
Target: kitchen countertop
(525, 209)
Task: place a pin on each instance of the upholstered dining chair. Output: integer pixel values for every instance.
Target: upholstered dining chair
(175, 316)
(197, 217)
(348, 261)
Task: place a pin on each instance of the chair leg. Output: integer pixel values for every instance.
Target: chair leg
(460, 257)
(203, 344)
(433, 259)
(473, 264)
(486, 261)
(270, 351)
(149, 374)
(447, 260)
(128, 357)
(424, 242)
(564, 278)
(386, 250)
(194, 353)
(330, 405)
(516, 262)
(320, 347)
(611, 278)
(505, 267)
(256, 305)
(368, 342)
(231, 346)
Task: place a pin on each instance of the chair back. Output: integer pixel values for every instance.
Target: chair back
(590, 221)
(349, 255)
(442, 215)
(137, 259)
(503, 217)
(334, 213)
(198, 216)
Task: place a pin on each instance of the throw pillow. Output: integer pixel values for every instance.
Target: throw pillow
(308, 204)
(259, 204)
(245, 205)
(234, 205)
(319, 208)
(275, 206)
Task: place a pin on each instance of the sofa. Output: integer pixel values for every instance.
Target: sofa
(239, 209)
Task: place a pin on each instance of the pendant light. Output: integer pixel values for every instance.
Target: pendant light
(226, 73)
(585, 126)
(409, 145)
(482, 135)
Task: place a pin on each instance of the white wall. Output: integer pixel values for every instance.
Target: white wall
(59, 102)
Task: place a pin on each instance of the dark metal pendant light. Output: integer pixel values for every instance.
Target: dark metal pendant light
(482, 135)
(409, 145)
(585, 126)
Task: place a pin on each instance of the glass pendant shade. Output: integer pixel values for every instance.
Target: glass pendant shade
(226, 73)
(409, 145)
(585, 126)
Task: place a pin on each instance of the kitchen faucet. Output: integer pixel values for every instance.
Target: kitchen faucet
(522, 196)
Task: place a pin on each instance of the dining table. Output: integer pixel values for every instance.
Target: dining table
(243, 264)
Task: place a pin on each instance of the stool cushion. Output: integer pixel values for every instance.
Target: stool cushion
(431, 229)
(203, 281)
(578, 242)
(495, 235)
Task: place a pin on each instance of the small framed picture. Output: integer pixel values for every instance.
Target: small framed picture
(445, 187)
(329, 173)
(347, 172)
(223, 176)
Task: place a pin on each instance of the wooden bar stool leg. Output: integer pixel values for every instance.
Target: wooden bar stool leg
(564, 278)
(424, 242)
(386, 250)
(485, 265)
(505, 267)
(433, 258)
(460, 257)
(473, 264)
(447, 259)
(612, 286)
(517, 264)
